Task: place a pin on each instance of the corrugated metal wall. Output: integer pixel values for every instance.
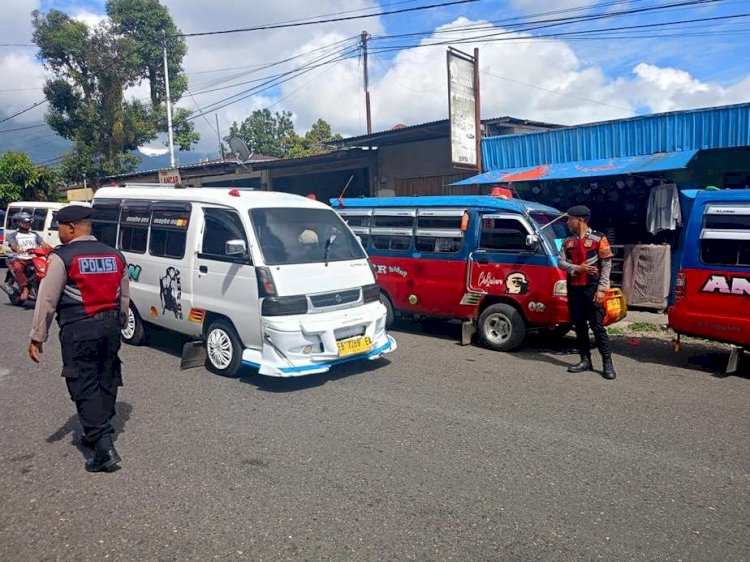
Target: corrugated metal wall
(720, 127)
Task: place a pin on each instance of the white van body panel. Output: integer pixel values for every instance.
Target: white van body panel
(285, 346)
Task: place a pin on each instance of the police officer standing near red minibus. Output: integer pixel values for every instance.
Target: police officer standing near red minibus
(586, 256)
(86, 285)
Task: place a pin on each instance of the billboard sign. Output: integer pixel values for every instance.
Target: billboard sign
(169, 177)
(462, 108)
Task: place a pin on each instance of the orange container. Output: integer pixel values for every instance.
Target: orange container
(615, 306)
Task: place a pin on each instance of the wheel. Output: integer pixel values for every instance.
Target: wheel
(501, 327)
(223, 349)
(389, 315)
(134, 332)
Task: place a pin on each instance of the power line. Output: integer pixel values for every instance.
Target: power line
(562, 94)
(23, 128)
(37, 104)
(320, 21)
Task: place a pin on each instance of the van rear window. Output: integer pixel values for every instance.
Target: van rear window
(725, 238)
(299, 235)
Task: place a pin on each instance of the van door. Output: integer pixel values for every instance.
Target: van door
(226, 284)
(51, 229)
(503, 264)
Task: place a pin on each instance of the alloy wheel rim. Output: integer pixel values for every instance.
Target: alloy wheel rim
(129, 330)
(219, 347)
(498, 328)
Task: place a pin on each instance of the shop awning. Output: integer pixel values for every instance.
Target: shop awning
(587, 168)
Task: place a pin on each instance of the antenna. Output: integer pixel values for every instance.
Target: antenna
(240, 150)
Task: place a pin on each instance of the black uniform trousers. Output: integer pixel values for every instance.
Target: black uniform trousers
(92, 372)
(584, 312)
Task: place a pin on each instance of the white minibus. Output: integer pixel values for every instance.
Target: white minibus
(274, 281)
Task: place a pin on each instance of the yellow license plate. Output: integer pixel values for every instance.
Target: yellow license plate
(352, 346)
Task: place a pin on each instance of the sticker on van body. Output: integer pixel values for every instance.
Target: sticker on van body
(727, 285)
(170, 291)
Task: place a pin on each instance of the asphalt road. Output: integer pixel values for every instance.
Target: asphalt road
(439, 452)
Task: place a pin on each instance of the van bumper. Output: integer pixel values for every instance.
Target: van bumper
(726, 329)
(304, 345)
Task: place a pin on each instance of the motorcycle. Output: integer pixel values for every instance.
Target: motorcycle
(36, 269)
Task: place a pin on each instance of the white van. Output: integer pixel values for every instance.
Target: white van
(270, 280)
(43, 219)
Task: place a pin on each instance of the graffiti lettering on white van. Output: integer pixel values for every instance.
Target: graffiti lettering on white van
(727, 285)
(134, 272)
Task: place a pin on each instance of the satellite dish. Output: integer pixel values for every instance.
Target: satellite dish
(239, 149)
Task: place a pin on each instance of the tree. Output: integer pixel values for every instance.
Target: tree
(92, 69)
(314, 140)
(265, 133)
(273, 135)
(20, 180)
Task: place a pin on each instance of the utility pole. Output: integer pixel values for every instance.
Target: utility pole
(367, 83)
(169, 103)
(218, 136)
(478, 110)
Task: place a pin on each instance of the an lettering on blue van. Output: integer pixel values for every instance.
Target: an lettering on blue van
(727, 285)
(89, 266)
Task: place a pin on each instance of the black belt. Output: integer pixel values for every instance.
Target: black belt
(105, 314)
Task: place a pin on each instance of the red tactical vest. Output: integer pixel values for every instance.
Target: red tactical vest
(590, 249)
(93, 285)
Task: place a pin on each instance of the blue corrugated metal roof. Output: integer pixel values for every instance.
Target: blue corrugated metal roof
(586, 168)
(716, 127)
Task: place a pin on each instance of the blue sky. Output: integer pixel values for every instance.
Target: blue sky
(564, 80)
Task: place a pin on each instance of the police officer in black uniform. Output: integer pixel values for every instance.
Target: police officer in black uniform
(586, 257)
(87, 287)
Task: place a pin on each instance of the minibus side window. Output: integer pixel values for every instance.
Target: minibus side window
(104, 221)
(222, 225)
(38, 218)
(169, 232)
(391, 242)
(134, 222)
(503, 234)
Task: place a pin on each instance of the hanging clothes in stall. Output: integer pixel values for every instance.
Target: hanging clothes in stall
(663, 211)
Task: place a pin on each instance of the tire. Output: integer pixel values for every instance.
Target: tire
(389, 314)
(223, 349)
(501, 327)
(134, 333)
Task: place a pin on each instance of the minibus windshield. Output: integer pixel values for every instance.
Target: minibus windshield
(556, 232)
(298, 235)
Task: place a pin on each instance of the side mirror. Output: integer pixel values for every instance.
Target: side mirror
(235, 248)
(532, 241)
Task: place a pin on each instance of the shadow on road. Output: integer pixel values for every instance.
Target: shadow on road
(73, 428)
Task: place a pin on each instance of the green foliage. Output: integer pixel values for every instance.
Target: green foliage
(93, 67)
(273, 135)
(20, 180)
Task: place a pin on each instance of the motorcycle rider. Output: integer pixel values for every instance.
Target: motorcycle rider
(20, 242)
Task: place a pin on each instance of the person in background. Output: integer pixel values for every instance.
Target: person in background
(586, 257)
(20, 242)
(87, 287)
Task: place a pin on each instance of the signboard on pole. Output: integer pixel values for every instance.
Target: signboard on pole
(463, 109)
(170, 177)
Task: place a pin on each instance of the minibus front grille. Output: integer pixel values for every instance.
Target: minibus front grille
(335, 299)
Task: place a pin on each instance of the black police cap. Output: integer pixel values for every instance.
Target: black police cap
(74, 213)
(580, 211)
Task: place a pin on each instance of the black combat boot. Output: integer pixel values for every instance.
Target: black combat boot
(583, 365)
(105, 457)
(608, 372)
